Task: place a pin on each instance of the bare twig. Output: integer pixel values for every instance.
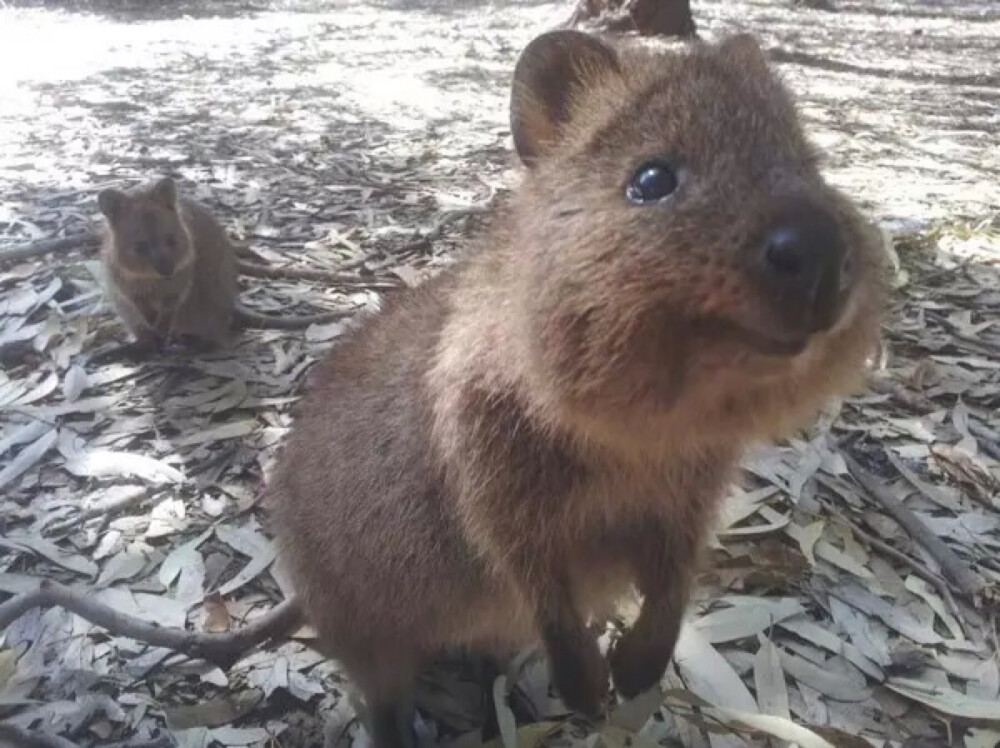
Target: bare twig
(220, 649)
(260, 270)
(84, 241)
(987, 439)
(912, 400)
(12, 736)
(953, 567)
(921, 570)
(103, 509)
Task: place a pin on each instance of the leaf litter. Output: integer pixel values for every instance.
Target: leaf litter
(819, 622)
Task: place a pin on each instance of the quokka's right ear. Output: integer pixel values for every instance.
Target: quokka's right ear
(551, 70)
(111, 202)
(165, 191)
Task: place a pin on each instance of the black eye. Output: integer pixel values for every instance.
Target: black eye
(171, 241)
(142, 247)
(653, 181)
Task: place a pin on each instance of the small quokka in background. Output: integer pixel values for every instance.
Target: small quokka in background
(172, 270)
(501, 453)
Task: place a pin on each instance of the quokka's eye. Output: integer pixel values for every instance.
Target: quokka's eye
(142, 248)
(652, 181)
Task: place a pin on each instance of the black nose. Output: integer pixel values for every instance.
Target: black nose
(164, 264)
(802, 258)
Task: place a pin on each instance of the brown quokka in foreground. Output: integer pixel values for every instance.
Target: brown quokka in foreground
(172, 270)
(504, 451)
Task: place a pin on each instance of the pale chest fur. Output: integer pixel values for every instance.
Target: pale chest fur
(147, 302)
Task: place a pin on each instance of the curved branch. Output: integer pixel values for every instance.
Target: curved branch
(12, 736)
(260, 270)
(220, 649)
(84, 241)
(953, 567)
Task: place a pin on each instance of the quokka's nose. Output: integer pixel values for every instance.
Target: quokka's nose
(801, 261)
(164, 265)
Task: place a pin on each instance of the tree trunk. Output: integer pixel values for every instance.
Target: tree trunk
(646, 17)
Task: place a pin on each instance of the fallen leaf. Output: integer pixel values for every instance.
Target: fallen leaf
(807, 537)
(820, 637)
(982, 738)
(708, 674)
(840, 686)
(60, 557)
(216, 614)
(180, 556)
(106, 463)
(778, 727)
(28, 457)
(769, 681)
(269, 677)
(946, 700)
(235, 430)
(894, 617)
(745, 620)
(920, 587)
(504, 715)
(74, 383)
(212, 712)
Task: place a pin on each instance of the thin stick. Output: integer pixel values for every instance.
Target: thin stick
(987, 439)
(939, 582)
(912, 400)
(260, 270)
(12, 736)
(103, 509)
(953, 567)
(220, 649)
(82, 241)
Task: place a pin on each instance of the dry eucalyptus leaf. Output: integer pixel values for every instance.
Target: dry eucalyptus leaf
(60, 556)
(846, 685)
(708, 674)
(222, 432)
(769, 681)
(776, 726)
(746, 619)
(825, 639)
(74, 383)
(106, 463)
(216, 614)
(28, 457)
(946, 700)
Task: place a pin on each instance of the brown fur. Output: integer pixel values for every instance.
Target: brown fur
(192, 296)
(502, 452)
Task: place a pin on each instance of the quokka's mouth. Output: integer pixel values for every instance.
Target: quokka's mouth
(764, 343)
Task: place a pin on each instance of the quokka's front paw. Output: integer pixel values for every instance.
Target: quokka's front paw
(637, 665)
(580, 675)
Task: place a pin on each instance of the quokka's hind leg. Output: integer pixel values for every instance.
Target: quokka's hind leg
(387, 689)
(390, 723)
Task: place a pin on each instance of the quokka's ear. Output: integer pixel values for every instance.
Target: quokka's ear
(111, 202)
(549, 73)
(165, 192)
